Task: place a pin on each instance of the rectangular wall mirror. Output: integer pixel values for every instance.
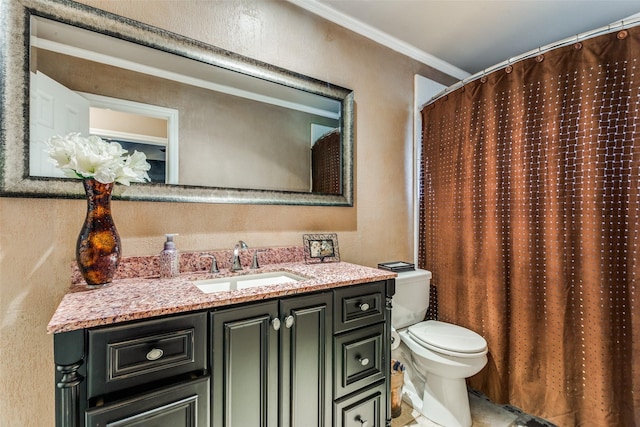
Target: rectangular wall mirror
(216, 127)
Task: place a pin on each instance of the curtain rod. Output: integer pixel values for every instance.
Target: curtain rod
(629, 22)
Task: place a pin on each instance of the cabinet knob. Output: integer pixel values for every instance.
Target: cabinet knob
(363, 422)
(363, 361)
(288, 321)
(363, 306)
(275, 323)
(155, 354)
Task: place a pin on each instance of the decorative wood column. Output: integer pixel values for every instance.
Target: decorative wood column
(70, 374)
(68, 394)
(390, 292)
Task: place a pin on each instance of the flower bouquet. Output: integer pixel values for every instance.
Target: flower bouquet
(94, 158)
(99, 164)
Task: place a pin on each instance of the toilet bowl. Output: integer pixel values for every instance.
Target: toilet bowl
(438, 356)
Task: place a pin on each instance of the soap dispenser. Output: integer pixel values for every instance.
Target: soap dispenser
(169, 260)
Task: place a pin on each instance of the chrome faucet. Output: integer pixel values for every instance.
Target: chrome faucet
(235, 263)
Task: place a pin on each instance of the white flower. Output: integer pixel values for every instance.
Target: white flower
(92, 157)
(134, 169)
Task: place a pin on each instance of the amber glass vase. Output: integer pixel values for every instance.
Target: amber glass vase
(98, 246)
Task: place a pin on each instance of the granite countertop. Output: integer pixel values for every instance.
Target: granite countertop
(139, 298)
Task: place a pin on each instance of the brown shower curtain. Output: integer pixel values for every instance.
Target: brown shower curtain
(529, 221)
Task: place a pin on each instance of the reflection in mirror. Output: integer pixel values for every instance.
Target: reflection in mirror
(221, 128)
(230, 137)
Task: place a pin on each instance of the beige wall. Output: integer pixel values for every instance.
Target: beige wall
(37, 236)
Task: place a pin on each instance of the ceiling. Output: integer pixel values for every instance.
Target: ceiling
(463, 37)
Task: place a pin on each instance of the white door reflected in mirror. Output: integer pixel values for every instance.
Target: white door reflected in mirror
(58, 110)
(55, 110)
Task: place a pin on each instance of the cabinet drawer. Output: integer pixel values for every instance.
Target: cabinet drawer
(358, 357)
(182, 405)
(359, 306)
(139, 353)
(363, 409)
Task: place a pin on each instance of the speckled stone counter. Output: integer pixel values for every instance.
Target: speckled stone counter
(145, 296)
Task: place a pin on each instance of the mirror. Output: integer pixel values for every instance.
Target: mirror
(216, 127)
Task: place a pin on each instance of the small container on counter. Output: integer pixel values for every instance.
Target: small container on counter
(169, 259)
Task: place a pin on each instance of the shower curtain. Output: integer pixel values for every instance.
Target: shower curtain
(529, 222)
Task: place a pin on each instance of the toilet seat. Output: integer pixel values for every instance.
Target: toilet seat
(448, 339)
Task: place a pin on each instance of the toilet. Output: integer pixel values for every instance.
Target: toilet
(438, 356)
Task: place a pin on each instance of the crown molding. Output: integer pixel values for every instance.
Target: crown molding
(380, 37)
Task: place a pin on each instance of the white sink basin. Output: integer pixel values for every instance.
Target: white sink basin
(222, 284)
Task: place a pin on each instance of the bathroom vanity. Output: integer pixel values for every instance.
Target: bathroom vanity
(310, 353)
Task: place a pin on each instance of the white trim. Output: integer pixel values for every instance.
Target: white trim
(380, 37)
(170, 114)
(128, 136)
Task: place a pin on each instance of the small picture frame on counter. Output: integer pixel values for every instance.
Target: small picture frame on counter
(320, 248)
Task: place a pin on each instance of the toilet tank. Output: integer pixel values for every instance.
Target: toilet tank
(411, 300)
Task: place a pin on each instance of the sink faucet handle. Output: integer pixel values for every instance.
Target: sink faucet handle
(235, 261)
(255, 264)
(214, 263)
(240, 245)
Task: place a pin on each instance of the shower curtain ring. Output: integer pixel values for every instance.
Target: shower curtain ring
(508, 69)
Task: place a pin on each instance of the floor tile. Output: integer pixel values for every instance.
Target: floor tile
(411, 417)
(486, 414)
(483, 414)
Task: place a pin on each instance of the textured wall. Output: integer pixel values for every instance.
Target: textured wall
(37, 236)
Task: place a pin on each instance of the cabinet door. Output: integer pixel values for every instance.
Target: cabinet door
(139, 353)
(183, 405)
(245, 366)
(359, 358)
(363, 409)
(306, 361)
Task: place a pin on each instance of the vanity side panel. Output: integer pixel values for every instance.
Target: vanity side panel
(70, 378)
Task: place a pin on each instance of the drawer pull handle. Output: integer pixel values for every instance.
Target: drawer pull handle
(363, 361)
(275, 323)
(288, 321)
(363, 422)
(363, 306)
(155, 354)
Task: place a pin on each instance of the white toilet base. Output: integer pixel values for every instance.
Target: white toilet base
(439, 395)
(433, 397)
(429, 406)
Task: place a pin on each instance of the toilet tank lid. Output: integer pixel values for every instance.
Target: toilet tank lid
(447, 336)
(403, 275)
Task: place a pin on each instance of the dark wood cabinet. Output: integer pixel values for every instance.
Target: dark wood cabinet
(126, 356)
(364, 409)
(359, 357)
(181, 405)
(271, 363)
(306, 361)
(362, 355)
(133, 373)
(315, 360)
(244, 348)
